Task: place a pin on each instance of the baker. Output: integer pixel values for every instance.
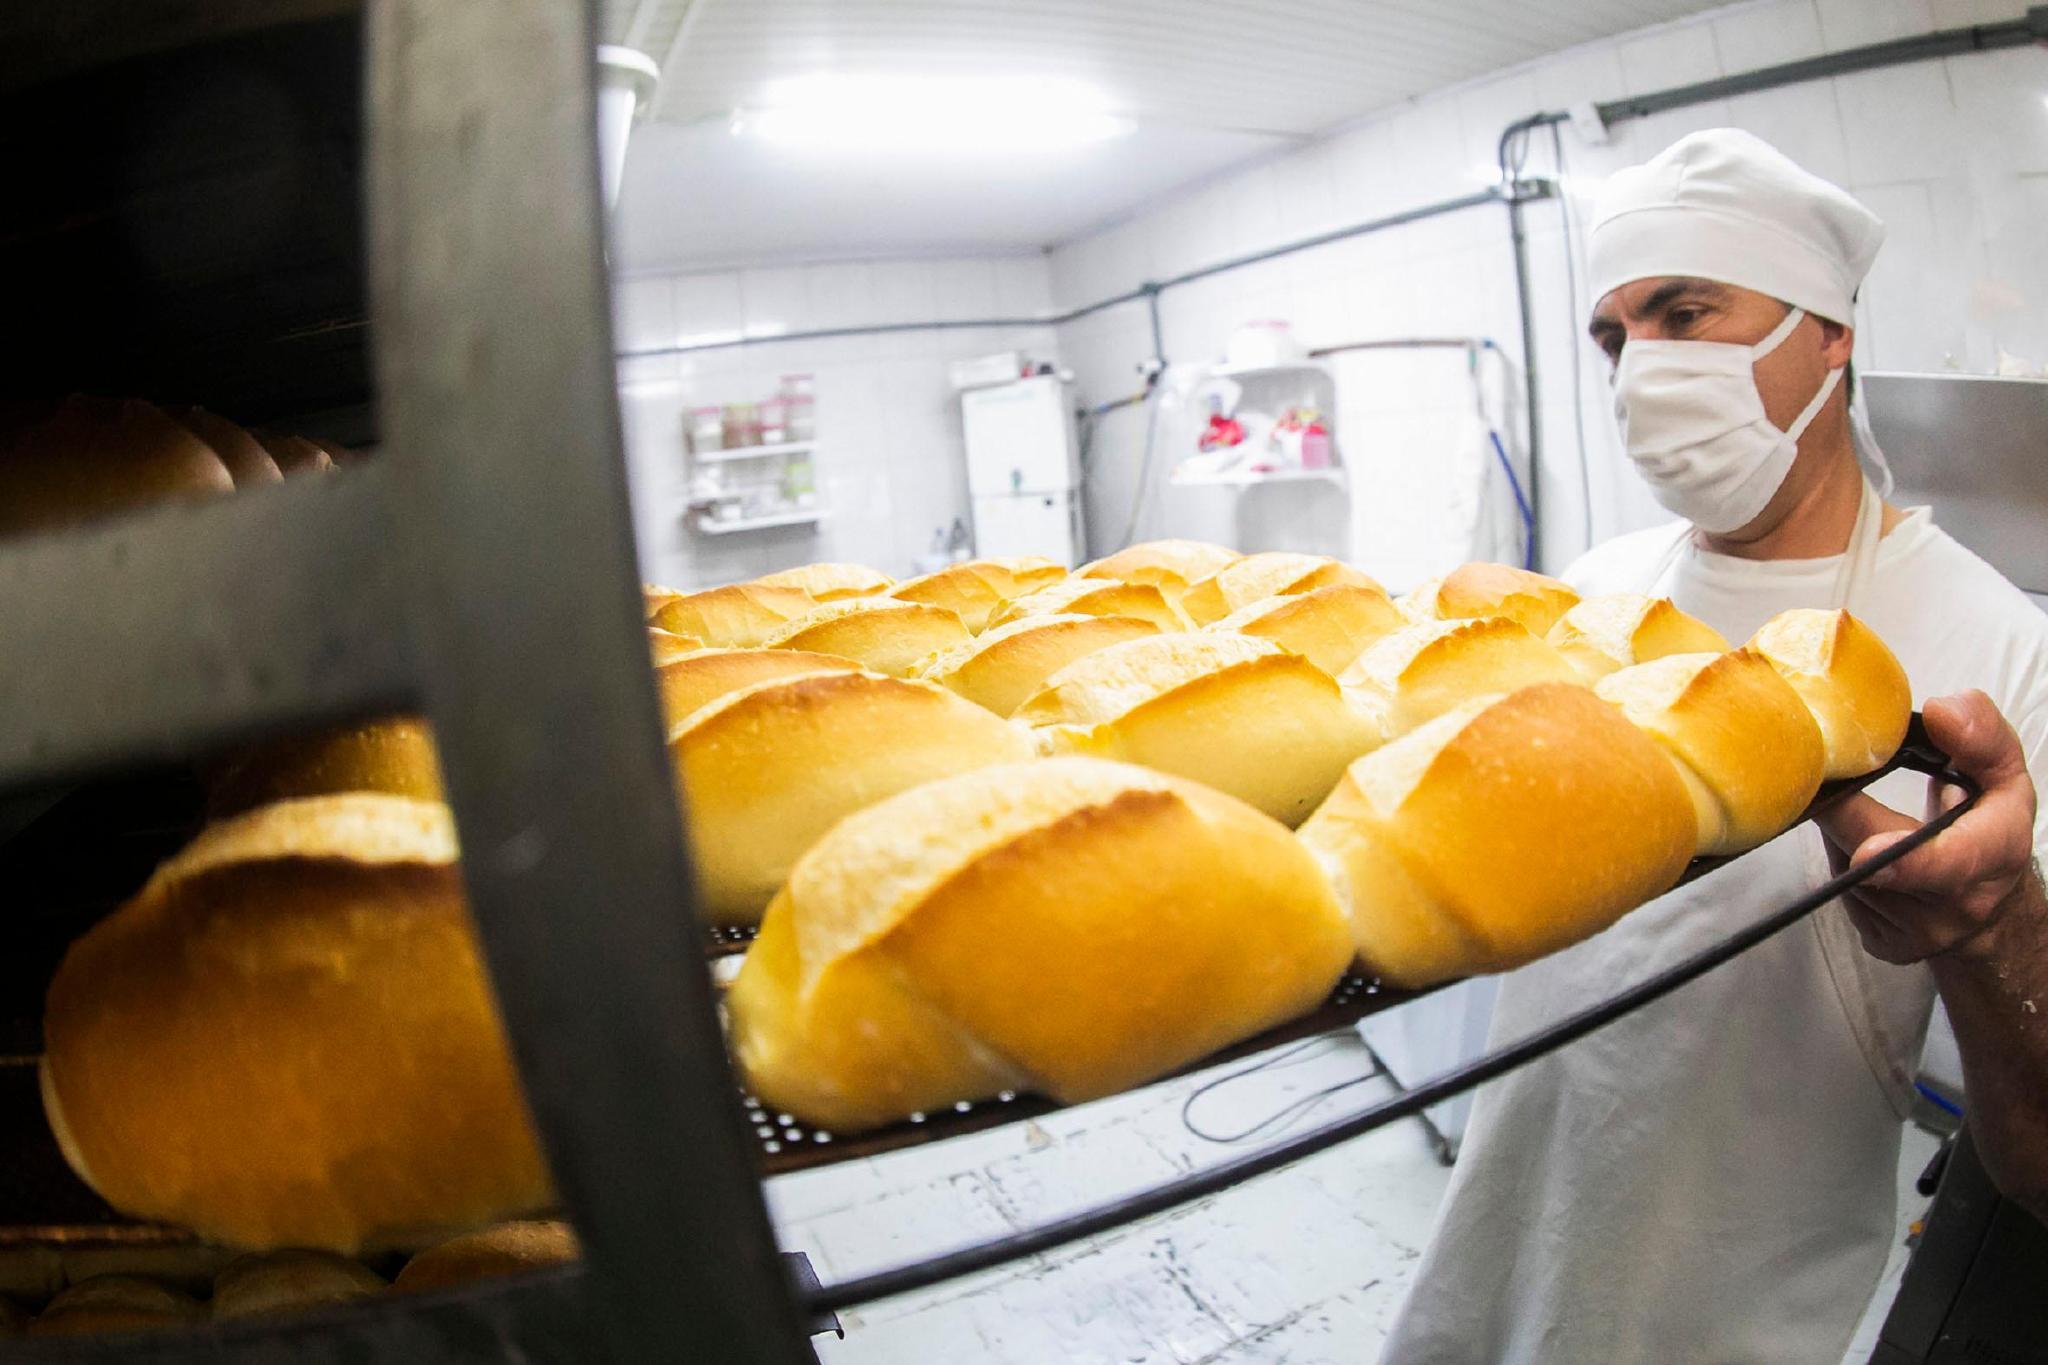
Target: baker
(1713, 1178)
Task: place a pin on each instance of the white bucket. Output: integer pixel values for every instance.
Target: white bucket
(625, 84)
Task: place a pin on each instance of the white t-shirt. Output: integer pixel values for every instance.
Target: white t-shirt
(1711, 1179)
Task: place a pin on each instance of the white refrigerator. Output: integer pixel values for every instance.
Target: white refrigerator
(1022, 475)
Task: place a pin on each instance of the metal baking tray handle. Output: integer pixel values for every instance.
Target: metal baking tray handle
(1916, 754)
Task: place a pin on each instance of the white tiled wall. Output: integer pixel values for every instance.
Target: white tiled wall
(1953, 154)
(889, 456)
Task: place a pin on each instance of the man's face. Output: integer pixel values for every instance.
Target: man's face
(1680, 308)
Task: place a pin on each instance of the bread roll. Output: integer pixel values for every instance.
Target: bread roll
(831, 582)
(270, 1282)
(295, 454)
(86, 458)
(1327, 626)
(976, 588)
(737, 616)
(1004, 665)
(1602, 634)
(1747, 749)
(1506, 829)
(700, 678)
(115, 1303)
(1169, 565)
(248, 463)
(1257, 577)
(879, 633)
(394, 755)
(1533, 600)
(1421, 671)
(1071, 927)
(507, 1249)
(287, 1039)
(1095, 597)
(764, 771)
(1848, 678)
(657, 597)
(1243, 715)
(666, 646)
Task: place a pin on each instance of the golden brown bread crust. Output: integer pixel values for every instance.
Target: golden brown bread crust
(665, 646)
(295, 455)
(1419, 672)
(737, 616)
(394, 755)
(1746, 747)
(655, 597)
(248, 463)
(975, 589)
(1242, 715)
(1005, 665)
(83, 458)
(1253, 578)
(1328, 626)
(1078, 596)
(1500, 832)
(268, 1282)
(506, 1249)
(1167, 564)
(1041, 926)
(764, 771)
(830, 582)
(702, 676)
(287, 1038)
(1534, 601)
(1850, 680)
(878, 633)
(115, 1303)
(1619, 630)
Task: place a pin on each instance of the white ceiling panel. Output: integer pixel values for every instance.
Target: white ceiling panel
(1208, 83)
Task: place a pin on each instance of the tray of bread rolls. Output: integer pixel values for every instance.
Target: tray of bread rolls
(968, 848)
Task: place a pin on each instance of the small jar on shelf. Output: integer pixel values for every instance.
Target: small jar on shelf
(707, 429)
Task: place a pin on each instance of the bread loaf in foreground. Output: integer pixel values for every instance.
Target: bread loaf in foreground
(878, 633)
(1850, 680)
(1329, 626)
(1244, 716)
(1422, 671)
(287, 1038)
(1745, 746)
(393, 755)
(248, 464)
(1602, 634)
(81, 459)
(1256, 577)
(1005, 665)
(507, 1249)
(1504, 830)
(1070, 926)
(702, 676)
(267, 1283)
(665, 646)
(830, 582)
(737, 616)
(764, 771)
(1079, 596)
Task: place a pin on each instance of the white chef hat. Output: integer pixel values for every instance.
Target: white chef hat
(1726, 205)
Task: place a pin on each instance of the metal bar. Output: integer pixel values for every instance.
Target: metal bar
(1532, 409)
(1490, 195)
(1226, 1175)
(1948, 42)
(490, 301)
(186, 627)
(1408, 344)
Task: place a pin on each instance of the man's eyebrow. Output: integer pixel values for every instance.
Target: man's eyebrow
(1668, 293)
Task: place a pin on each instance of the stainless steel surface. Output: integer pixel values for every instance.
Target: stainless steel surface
(1976, 450)
(489, 299)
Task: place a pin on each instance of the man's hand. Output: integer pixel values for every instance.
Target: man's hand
(1951, 894)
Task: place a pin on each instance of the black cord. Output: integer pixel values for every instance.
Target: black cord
(1286, 1113)
(1573, 339)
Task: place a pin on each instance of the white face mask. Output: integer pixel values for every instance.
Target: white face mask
(1693, 421)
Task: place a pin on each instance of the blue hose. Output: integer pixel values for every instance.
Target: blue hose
(1521, 500)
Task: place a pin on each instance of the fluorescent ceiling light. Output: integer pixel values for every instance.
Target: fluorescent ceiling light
(1015, 114)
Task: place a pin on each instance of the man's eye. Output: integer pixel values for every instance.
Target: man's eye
(1682, 317)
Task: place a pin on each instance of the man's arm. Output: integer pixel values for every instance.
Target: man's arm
(1970, 904)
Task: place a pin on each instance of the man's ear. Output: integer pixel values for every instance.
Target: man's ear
(1837, 343)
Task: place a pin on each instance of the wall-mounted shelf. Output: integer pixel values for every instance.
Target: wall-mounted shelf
(1247, 478)
(801, 516)
(755, 452)
(1292, 370)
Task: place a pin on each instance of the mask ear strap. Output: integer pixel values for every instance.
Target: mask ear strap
(1812, 409)
(1777, 335)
